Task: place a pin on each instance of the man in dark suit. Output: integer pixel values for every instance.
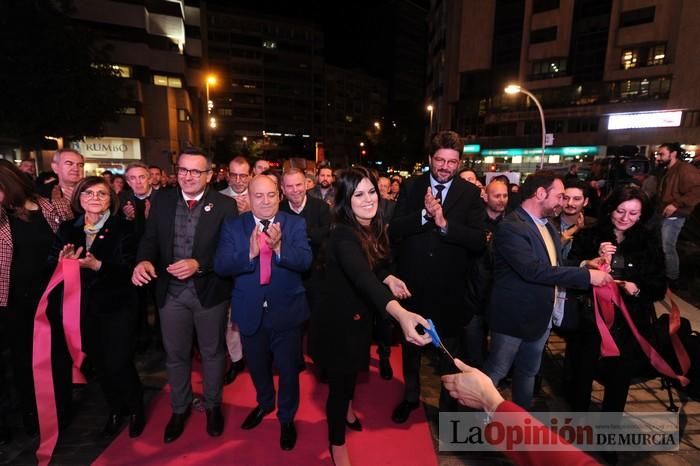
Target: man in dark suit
(178, 248)
(136, 206)
(316, 212)
(529, 290)
(437, 228)
(266, 251)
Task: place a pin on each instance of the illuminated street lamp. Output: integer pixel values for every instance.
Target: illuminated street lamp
(430, 109)
(210, 81)
(513, 89)
(377, 125)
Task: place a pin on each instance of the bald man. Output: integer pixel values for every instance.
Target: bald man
(267, 251)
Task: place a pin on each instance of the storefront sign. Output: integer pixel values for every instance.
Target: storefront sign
(645, 120)
(109, 148)
(568, 151)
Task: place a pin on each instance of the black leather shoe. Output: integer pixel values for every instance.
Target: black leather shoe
(255, 417)
(114, 423)
(234, 369)
(288, 436)
(354, 425)
(385, 370)
(137, 422)
(176, 425)
(215, 422)
(403, 410)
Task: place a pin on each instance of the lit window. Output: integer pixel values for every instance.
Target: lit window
(630, 58)
(183, 114)
(174, 82)
(657, 55)
(128, 111)
(160, 80)
(269, 44)
(122, 70)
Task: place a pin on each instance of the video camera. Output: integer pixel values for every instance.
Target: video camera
(624, 165)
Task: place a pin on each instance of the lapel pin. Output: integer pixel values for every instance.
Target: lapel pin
(208, 207)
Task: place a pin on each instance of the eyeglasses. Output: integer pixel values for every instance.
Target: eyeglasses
(95, 194)
(441, 161)
(181, 171)
(239, 176)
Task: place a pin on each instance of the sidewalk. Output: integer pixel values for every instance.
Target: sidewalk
(643, 396)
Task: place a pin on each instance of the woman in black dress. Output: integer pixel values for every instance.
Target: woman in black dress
(105, 246)
(356, 283)
(28, 224)
(634, 255)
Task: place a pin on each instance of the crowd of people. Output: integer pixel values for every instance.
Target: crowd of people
(245, 267)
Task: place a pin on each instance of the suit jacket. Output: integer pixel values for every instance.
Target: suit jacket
(434, 264)
(522, 297)
(285, 294)
(318, 220)
(108, 289)
(340, 330)
(156, 244)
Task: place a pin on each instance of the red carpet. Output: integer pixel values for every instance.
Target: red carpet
(380, 443)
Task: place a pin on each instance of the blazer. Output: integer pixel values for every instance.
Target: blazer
(285, 295)
(156, 244)
(318, 220)
(434, 265)
(340, 330)
(108, 289)
(522, 297)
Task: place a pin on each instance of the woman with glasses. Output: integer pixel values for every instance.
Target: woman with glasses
(105, 246)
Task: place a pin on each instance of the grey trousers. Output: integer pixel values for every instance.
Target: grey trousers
(179, 317)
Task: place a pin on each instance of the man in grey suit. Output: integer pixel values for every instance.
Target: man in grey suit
(178, 248)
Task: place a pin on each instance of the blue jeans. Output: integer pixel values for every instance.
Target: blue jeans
(670, 229)
(524, 356)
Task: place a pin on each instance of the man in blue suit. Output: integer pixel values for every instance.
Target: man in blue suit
(266, 251)
(529, 289)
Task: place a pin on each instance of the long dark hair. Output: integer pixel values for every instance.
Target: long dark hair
(17, 187)
(373, 238)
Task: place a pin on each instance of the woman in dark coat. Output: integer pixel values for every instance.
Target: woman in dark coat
(634, 255)
(28, 224)
(355, 283)
(105, 245)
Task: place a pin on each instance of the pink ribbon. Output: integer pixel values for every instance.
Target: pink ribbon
(265, 259)
(605, 298)
(68, 272)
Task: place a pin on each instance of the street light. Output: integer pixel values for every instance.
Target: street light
(513, 89)
(210, 81)
(430, 109)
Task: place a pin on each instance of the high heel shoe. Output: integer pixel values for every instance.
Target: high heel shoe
(354, 425)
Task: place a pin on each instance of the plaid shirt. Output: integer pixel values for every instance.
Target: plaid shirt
(53, 215)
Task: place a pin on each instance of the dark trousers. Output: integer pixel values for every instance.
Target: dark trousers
(383, 334)
(109, 343)
(20, 333)
(411, 370)
(145, 296)
(282, 348)
(615, 373)
(475, 341)
(341, 388)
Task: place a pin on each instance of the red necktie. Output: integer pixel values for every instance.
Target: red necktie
(265, 254)
(191, 203)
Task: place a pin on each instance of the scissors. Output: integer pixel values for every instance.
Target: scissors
(432, 331)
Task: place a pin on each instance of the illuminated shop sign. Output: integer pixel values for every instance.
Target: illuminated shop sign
(109, 148)
(645, 120)
(568, 151)
(471, 149)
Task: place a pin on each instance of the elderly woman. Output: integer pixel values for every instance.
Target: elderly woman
(356, 284)
(633, 253)
(105, 246)
(28, 224)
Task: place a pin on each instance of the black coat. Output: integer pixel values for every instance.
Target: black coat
(435, 265)
(108, 289)
(643, 265)
(340, 330)
(156, 244)
(318, 221)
